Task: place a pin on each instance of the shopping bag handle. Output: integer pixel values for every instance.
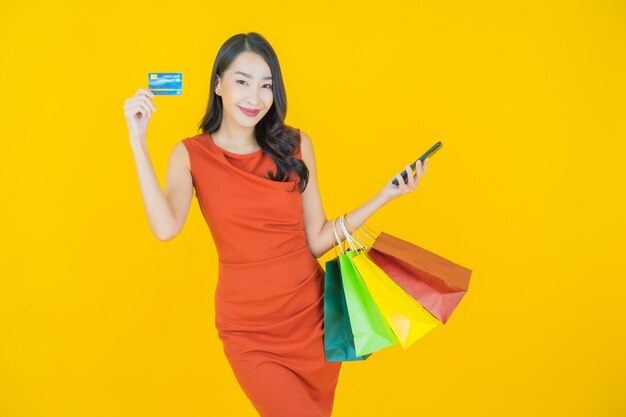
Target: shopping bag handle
(363, 229)
(336, 239)
(351, 240)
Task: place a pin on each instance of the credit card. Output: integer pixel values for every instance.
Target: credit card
(165, 83)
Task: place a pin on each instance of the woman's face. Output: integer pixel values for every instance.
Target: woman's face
(246, 84)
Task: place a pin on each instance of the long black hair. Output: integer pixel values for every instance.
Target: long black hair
(276, 139)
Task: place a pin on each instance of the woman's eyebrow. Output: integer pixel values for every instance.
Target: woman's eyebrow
(249, 76)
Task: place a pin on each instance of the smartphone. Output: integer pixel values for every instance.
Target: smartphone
(434, 148)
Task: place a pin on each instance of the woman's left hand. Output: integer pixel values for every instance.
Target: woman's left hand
(392, 191)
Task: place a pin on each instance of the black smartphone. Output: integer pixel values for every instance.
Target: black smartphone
(434, 148)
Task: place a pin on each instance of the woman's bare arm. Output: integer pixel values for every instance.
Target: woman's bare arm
(166, 210)
(318, 229)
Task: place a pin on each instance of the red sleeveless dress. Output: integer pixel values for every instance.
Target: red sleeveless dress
(269, 303)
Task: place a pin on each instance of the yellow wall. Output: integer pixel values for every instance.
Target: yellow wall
(99, 318)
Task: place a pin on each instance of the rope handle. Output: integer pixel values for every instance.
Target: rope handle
(336, 239)
(363, 229)
(351, 240)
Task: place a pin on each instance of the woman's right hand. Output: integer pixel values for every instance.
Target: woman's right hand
(392, 191)
(138, 111)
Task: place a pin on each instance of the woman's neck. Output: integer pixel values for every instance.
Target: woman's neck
(236, 138)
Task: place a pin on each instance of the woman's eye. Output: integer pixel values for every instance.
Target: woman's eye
(243, 81)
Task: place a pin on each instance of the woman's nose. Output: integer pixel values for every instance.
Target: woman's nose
(254, 97)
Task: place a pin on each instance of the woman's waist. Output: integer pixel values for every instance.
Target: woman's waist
(269, 278)
(267, 295)
(246, 254)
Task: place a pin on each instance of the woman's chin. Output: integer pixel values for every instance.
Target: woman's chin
(248, 123)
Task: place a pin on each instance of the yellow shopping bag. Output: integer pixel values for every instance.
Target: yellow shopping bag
(408, 319)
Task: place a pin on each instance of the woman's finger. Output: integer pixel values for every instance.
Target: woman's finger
(139, 111)
(400, 181)
(403, 186)
(132, 107)
(142, 108)
(421, 168)
(145, 92)
(147, 108)
(150, 103)
(140, 97)
(412, 180)
(409, 176)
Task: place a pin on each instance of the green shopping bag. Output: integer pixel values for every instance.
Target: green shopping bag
(338, 339)
(370, 330)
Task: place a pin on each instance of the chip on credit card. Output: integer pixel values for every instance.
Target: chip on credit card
(165, 83)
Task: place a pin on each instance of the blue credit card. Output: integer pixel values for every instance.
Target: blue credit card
(165, 83)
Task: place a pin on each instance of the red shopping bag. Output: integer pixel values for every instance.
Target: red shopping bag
(435, 282)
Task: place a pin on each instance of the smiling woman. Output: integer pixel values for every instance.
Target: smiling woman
(256, 185)
(269, 294)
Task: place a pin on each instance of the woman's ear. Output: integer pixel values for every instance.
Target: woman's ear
(217, 85)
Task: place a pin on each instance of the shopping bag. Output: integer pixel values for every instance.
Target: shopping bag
(369, 329)
(436, 282)
(407, 318)
(338, 339)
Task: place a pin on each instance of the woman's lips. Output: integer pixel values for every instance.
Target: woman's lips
(249, 112)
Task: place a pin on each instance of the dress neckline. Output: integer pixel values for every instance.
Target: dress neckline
(233, 154)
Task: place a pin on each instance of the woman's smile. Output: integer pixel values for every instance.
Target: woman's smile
(249, 112)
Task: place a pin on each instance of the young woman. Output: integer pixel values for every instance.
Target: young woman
(256, 184)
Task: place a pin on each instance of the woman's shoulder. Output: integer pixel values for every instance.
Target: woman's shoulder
(304, 141)
(192, 145)
(196, 144)
(193, 140)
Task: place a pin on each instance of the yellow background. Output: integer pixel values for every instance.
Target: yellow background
(99, 318)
